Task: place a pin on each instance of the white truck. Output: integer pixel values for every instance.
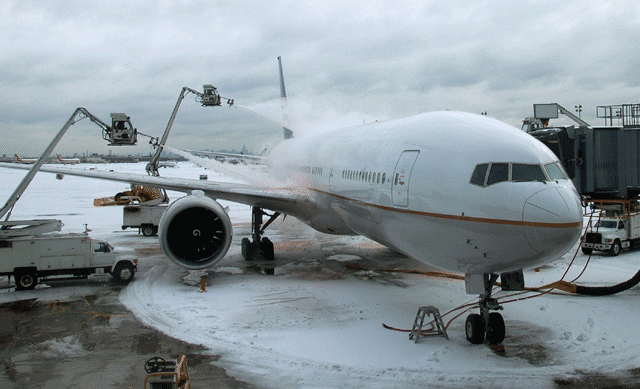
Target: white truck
(32, 258)
(613, 233)
(144, 217)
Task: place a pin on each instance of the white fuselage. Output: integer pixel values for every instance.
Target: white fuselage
(407, 184)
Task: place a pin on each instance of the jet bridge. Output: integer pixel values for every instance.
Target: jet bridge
(602, 161)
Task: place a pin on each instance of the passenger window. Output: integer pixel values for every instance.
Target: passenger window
(384, 176)
(396, 180)
(499, 172)
(524, 173)
(378, 180)
(479, 174)
(554, 171)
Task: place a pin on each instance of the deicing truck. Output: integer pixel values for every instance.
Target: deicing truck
(32, 258)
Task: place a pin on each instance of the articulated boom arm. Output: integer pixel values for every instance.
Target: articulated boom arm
(79, 114)
(209, 98)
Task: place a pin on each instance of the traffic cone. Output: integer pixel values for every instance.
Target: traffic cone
(203, 285)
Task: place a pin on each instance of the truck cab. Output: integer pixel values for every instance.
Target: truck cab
(607, 235)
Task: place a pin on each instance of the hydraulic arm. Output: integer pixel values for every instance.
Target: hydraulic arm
(125, 135)
(210, 98)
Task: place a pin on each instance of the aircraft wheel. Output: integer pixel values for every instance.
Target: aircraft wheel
(248, 249)
(474, 328)
(615, 248)
(496, 328)
(267, 249)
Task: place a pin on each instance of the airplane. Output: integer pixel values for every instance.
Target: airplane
(167, 164)
(233, 157)
(465, 193)
(462, 192)
(67, 161)
(25, 161)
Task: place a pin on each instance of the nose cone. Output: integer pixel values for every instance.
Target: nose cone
(553, 221)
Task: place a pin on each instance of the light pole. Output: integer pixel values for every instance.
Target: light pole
(579, 110)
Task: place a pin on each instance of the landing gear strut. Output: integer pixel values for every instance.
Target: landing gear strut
(486, 324)
(260, 248)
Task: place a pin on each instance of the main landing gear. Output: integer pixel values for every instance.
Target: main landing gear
(260, 248)
(487, 324)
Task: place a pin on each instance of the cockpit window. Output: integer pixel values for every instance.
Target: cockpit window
(479, 174)
(555, 171)
(486, 174)
(499, 172)
(524, 173)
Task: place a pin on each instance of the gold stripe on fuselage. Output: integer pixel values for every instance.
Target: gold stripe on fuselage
(454, 217)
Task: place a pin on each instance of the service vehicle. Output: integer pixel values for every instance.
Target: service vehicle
(144, 217)
(618, 227)
(32, 258)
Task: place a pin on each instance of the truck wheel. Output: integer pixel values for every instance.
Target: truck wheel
(124, 272)
(587, 251)
(615, 248)
(148, 230)
(26, 281)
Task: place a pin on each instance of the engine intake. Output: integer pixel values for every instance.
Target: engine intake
(195, 231)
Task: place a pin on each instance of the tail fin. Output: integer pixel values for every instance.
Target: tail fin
(288, 134)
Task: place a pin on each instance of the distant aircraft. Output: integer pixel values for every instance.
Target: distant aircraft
(25, 161)
(67, 161)
(233, 158)
(462, 192)
(167, 164)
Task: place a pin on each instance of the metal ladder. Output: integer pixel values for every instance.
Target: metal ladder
(416, 330)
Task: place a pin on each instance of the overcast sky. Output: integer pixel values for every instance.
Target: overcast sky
(344, 63)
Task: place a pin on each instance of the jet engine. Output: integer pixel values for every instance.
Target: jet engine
(195, 231)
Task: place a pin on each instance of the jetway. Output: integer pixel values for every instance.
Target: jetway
(603, 162)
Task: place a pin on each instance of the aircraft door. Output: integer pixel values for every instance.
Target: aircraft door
(400, 179)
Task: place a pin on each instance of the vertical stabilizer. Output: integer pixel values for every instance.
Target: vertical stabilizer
(288, 134)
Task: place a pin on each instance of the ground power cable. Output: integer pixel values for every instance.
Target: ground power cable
(561, 285)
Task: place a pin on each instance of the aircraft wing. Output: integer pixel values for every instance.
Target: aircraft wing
(288, 201)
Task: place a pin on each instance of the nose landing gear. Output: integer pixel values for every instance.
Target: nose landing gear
(486, 325)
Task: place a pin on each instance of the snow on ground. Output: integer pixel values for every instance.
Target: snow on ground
(310, 322)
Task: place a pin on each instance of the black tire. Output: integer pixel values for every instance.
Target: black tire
(267, 249)
(474, 328)
(124, 272)
(147, 230)
(586, 251)
(615, 248)
(248, 249)
(26, 280)
(496, 331)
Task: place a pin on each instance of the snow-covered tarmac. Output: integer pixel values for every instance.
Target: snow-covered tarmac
(309, 321)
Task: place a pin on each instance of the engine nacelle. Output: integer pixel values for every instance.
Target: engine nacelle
(195, 231)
